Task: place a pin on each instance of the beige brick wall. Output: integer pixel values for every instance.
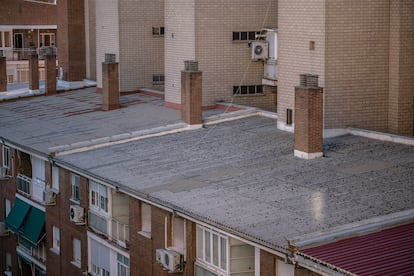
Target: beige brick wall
(209, 40)
(90, 41)
(357, 47)
(179, 44)
(300, 21)
(401, 84)
(107, 33)
(141, 53)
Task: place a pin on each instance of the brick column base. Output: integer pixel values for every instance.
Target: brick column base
(33, 72)
(191, 97)
(110, 86)
(3, 74)
(50, 67)
(308, 122)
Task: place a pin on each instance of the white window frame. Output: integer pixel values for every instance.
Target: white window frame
(3, 39)
(7, 207)
(76, 252)
(56, 239)
(145, 220)
(121, 264)
(99, 197)
(6, 157)
(202, 258)
(48, 2)
(75, 184)
(52, 39)
(178, 235)
(55, 178)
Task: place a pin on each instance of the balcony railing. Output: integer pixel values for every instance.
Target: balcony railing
(113, 229)
(23, 54)
(35, 189)
(36, 252)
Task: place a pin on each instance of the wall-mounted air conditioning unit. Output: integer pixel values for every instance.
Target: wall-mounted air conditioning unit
(77, 214)
(259, 50)
(49, 197)
(160, 256)
(170, 260)
(3, 229)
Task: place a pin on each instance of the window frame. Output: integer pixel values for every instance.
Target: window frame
(223, 264)
(77, 251)
(56, 239)
(121, 264)
(75, 187)
(248, 90)
(97, 200)
(6, 157)
(145, 220)
(158, 79)
(244, 36)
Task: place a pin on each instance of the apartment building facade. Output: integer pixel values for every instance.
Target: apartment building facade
(218, 34)
(134, 32)
(363, 54)
(24, 25)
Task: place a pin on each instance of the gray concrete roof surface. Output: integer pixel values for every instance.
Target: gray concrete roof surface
(42, 123)
(242, 175)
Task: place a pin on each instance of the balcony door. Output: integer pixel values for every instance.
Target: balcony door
(18, 41)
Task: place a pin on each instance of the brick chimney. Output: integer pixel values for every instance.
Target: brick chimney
(3, 73)
(33, 70)
(191, 93)
(110, 83)
(308, 118)
(50, 68)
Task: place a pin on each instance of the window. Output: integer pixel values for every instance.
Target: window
(212, 248)
(55, 178)
(158, 79)
(248, 90)
(5, 39)
(56, 239)
(6, 157)
(76, 252)
(47, 39)
(100, 258)
(145, 220)
(7, 205)
(178, 240)
(98, 196)
(123, 265)
(158, 31)
(75, 187)
(244, 36)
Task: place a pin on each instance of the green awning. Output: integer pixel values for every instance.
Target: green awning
(34, 228)
(17, 215)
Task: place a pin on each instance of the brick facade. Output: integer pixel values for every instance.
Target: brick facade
(71, 39)
(20, 12)
(203, 31)
(358, 51)
(191, 97)
(3, 74)
(110, 86)
(58, 216)
(33, 72)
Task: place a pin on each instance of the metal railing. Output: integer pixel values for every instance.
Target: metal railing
(34, 188)
(117, 231)
(24, 53)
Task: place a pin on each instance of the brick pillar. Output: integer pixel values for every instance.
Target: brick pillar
(401, 68)
(191, 94)
(110, 83)
(308, 119)
(50, 68)
(3, 74)
(71, 39)
(33, 71)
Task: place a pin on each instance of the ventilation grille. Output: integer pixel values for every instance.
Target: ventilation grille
(308, 80)
(110, 58)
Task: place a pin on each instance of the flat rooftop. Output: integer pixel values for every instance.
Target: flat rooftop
(242, 176)
(47, 124)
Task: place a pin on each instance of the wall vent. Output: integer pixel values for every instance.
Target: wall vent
(308, 80)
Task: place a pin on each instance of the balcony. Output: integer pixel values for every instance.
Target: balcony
(35, 189)
(113, 229)
(24, 53)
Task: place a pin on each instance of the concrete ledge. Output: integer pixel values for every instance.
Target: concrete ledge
(285, 127)
(306, 155)
(387, 137)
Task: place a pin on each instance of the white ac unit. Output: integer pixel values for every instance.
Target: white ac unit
(77, 214)
(3, 229)
(259, 50)
(173, 261)
(160, 256)
(49, 197)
